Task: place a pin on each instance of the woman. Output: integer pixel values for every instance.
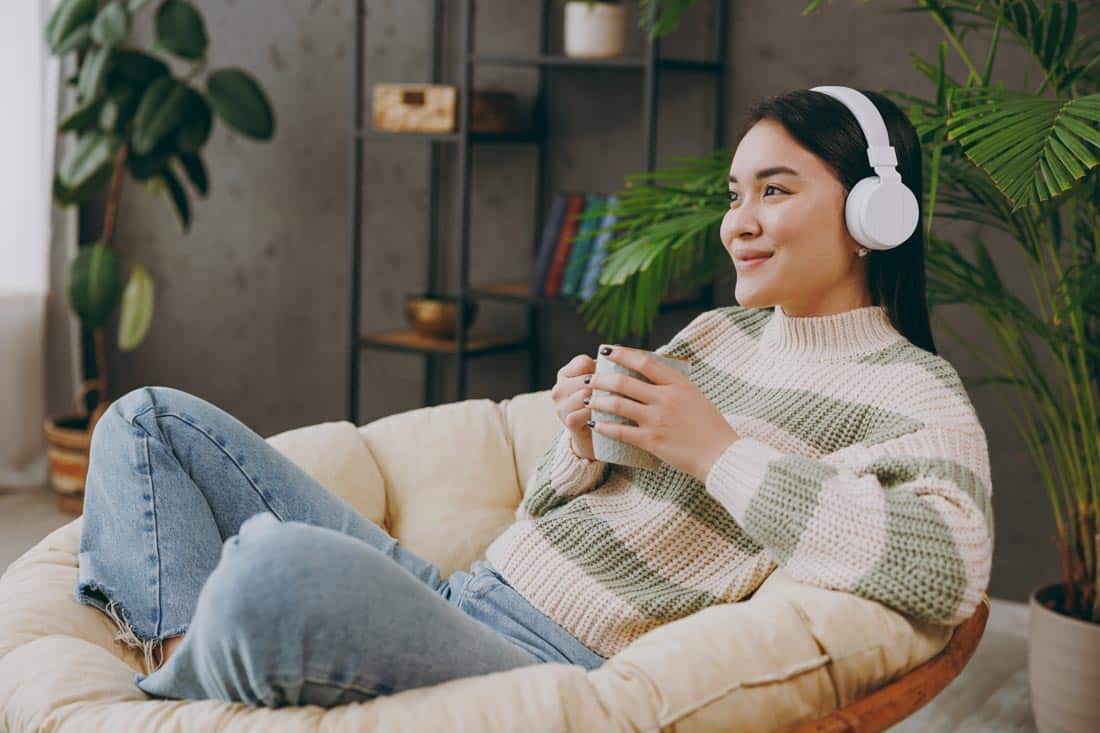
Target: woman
(825, 437)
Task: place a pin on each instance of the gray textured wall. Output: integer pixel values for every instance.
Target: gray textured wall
(252, 306)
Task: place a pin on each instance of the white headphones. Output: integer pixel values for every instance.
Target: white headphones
(881, 211)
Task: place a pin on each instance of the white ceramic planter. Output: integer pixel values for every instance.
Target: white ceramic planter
(1063, 667)
(594, 32)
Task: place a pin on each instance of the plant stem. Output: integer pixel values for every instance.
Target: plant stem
(114, 194)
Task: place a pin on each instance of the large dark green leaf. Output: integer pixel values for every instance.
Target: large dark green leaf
(197, 123)
(1033, 148)
(180, 29)
(159, 113)
(94, 284)
(94, 72)
(144, 167)
(112, 25)
(136, 67)
(65, 196)
(167, 182)
(92, 152)
(196, 171)
(82, 118)
(240, 101)
(69, 16)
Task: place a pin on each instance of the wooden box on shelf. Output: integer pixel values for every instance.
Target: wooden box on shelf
(414, 107)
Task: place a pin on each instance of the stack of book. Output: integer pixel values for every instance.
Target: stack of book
(573, 247)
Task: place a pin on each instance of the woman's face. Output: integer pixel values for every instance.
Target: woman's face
(798, 216)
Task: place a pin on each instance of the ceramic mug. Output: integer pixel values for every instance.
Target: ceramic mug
(609, 449)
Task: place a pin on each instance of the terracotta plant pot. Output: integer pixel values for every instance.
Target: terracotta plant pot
(1063, 665)
(594, 32)
(68, 440)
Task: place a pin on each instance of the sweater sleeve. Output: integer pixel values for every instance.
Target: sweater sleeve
(907, 522)
(559, 476)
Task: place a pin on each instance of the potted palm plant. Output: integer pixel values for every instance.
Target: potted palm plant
(1021, 161)
(132, 116)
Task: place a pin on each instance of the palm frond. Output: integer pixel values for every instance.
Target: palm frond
(1033, 148)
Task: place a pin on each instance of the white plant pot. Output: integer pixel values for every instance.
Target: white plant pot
(594, 32)
(1062, 666)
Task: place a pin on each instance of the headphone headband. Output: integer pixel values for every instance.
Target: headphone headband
(880, 153)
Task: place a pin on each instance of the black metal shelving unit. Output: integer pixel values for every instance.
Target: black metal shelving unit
(650, 64)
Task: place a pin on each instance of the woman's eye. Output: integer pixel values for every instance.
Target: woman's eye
(734, 193)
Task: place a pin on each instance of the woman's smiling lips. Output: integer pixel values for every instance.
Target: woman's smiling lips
(752, 262)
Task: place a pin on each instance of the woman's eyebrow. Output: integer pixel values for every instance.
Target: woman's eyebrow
(765, 172)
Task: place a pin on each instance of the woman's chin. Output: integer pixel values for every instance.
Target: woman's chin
(748, 295)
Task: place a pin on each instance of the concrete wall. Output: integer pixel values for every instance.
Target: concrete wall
(253, 305)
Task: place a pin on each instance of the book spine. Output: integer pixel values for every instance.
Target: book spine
(565, 245)
(582, 246)
(594, 266)
(550, 229)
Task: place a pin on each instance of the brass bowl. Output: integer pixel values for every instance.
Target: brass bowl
(436, 316)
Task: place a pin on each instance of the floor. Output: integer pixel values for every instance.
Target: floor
(989, 696)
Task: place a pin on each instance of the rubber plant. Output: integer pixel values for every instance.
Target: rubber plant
(1022, 161)
(134, 116)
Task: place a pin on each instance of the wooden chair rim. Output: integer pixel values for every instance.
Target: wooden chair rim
(899, 699)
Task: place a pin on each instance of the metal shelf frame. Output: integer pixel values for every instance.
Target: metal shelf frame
(649, 63)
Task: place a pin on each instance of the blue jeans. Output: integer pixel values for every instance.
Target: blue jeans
(288, 596)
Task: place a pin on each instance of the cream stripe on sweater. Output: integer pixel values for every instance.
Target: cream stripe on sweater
(861, 467)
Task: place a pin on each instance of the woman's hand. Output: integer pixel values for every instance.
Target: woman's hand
(676, 421)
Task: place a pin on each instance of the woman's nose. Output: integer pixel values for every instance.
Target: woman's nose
(739, 222)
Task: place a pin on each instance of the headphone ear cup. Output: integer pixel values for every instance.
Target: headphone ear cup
(881, 214)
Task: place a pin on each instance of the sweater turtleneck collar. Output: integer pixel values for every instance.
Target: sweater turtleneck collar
(828, 338)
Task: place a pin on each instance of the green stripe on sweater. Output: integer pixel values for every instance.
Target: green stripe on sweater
(917, 539)
(589, 541)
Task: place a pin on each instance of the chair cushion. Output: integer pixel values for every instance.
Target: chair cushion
(791, 652)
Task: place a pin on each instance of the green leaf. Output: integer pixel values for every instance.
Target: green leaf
(92, 152)
(82, 118)
(159, 113)
(93, 72)
(112, 25)
(69, 16)
(136, 68)
(94, 286)
(108, 115)
(239, 100)
(176, 196)
(78, 40)
(197, 123)
(145, 167)
(180, 29)
(135, 5)
(196, 171)
(66, 196)
(136, 313)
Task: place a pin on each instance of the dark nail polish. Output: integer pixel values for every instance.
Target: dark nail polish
(586, 399)
(587, 379)
(605, 350)
(590, 424)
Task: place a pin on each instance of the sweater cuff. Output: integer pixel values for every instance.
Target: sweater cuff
(571, 473)
(738, 473)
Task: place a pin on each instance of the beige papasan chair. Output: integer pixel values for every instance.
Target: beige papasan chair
(445, 480)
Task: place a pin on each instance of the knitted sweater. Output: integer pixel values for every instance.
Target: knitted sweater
(861, 467)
